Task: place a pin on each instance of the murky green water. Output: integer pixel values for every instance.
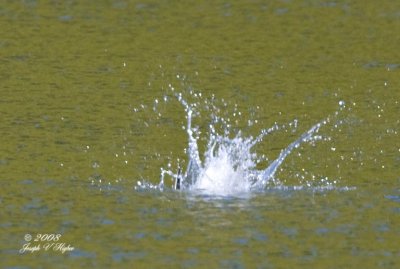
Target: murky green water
(79, 81)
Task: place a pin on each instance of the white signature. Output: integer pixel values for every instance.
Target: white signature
(56, 247)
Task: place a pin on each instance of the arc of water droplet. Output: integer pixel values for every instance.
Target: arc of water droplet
(263, 133)
(194, 167)
(270, 171)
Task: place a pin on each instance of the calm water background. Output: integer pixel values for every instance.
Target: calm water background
(73, 73)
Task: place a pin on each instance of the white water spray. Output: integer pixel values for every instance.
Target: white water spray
(228, 166)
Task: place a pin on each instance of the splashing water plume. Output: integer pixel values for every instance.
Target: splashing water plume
(229, 165)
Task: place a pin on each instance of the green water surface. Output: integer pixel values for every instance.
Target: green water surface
(78, 82)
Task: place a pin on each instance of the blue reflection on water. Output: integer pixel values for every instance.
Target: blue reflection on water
(395, 198)
(77, 253)
(123, 256)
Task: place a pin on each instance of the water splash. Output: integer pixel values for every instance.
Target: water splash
(229, 166)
